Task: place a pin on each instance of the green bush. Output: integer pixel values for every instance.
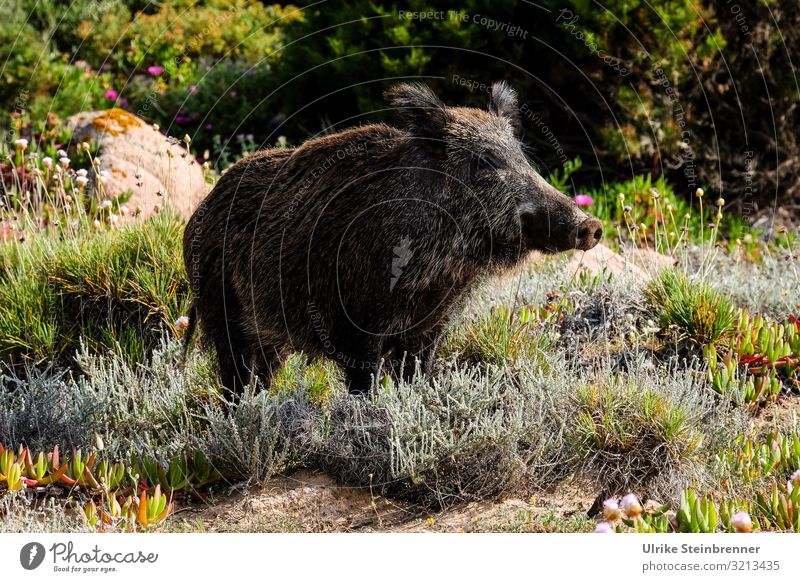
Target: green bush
(498, 338)
(643, 90)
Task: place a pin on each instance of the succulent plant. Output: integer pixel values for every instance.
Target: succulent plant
(121, 496)
(744, 385)
(778, 454)
(697, 514)
(780, 506)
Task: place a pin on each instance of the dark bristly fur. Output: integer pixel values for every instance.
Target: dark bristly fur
(359, 245)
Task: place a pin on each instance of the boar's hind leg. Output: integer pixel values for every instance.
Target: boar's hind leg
(233, 355)
(234, 368)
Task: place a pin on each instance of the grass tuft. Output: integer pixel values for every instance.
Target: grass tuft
(696, 311)
(117, 290)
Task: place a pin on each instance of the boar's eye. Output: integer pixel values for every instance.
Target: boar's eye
(486, 162)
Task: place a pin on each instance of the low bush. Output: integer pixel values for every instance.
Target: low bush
(146, 408)
(639, 433)
(467, 434)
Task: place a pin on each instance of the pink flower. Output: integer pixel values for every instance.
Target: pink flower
(111, 95)
(192, 89)
(155, 70)
(604, 527)
(583, 200)
(611, 510)
(182, 324)
(741, 522)
(631, 506)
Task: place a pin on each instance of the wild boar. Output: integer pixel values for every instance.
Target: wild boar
(360, 245)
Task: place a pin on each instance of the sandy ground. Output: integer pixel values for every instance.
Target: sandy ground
(313, 502)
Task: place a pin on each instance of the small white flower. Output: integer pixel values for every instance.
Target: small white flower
(796, 477)
(103, 176)
(699, 193)
(47, 162)
(611, 510)
(113, 219)
(741, 522)
(85, 146)
(82, 181)
(61, 154)
(82, 172)
(604, 527)
(64, 162)
(97, 224)
(106, 204)
(123, 210)
(631, 506)
(22, 143)
(182, 324)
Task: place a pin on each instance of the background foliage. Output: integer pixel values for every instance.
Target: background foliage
(703, 92)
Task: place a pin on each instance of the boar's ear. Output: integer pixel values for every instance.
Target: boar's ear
(422, 112)
(503, 102)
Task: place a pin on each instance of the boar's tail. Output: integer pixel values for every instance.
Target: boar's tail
(189, 331)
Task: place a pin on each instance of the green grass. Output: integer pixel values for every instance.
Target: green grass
(696, 311)
(499, 337)
(628, 433)
(116, 289)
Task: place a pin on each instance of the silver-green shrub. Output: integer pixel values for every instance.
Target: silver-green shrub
(42, 408)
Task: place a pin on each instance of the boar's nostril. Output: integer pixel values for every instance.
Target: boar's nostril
(590, 231)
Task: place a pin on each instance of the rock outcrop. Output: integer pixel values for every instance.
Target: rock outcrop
(136, 157)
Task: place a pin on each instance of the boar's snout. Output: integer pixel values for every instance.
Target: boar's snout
(558, 226)
(587, 234)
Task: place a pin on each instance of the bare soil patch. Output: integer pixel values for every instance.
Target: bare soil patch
(307, 501)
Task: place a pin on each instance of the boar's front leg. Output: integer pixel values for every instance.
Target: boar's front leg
(267, 360)
(360, 356)
(422, 348)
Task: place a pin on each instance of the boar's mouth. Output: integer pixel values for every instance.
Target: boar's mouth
(550, 235)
